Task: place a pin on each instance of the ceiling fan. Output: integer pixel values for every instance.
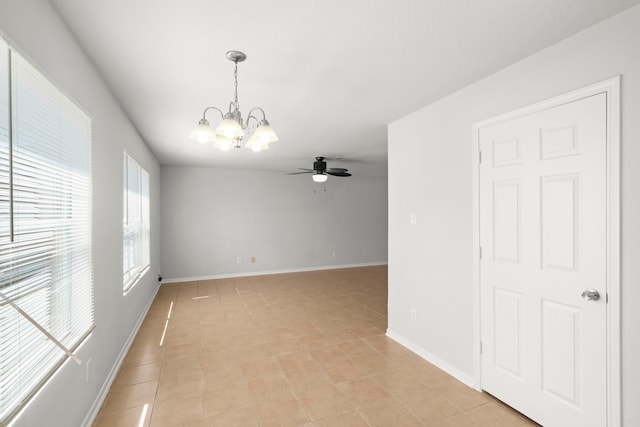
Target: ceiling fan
(320, 171)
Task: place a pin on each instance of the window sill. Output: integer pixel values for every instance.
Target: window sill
(134, 281)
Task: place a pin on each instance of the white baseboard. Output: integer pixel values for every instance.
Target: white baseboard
(431, 358)
(268, 272)
(93, 412)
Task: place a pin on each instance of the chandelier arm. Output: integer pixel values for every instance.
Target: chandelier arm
(264, 116)
(254, 118)
(204, 113)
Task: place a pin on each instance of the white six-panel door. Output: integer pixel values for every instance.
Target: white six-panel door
(543, 225)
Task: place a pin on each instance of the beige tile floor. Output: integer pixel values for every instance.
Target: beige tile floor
(303, 349)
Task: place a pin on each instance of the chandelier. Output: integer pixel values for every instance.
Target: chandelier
(232, 130)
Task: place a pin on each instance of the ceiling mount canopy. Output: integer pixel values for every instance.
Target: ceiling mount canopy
(231, 131)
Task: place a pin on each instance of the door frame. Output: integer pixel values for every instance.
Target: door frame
(612, 89)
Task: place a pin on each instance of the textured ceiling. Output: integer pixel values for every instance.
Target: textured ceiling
(330, 74)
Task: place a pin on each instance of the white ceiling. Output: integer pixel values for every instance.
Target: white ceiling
(330, 74)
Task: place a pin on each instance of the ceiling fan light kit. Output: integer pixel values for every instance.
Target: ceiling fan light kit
(319, 177)
(231, 131)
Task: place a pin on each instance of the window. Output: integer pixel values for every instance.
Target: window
(135, 222)
(46, 276)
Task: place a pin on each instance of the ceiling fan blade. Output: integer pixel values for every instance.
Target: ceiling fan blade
(337, 170)
(305, 169)
(298, 173)
(338, 173)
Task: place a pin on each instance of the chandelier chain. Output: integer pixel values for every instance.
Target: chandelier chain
(235, 76)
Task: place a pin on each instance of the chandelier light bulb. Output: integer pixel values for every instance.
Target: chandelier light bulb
(203, 132)
(230, 129)
(223, 143)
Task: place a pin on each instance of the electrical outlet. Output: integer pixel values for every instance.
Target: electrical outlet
(238, 259)
(334, 254)
(413, 314)
(253, 259)
(413, 220)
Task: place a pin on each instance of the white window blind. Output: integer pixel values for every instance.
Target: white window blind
(135, 222)
(45, 229)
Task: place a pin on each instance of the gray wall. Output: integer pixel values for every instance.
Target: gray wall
(430, 154)
(213, 216)
(35, 29)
